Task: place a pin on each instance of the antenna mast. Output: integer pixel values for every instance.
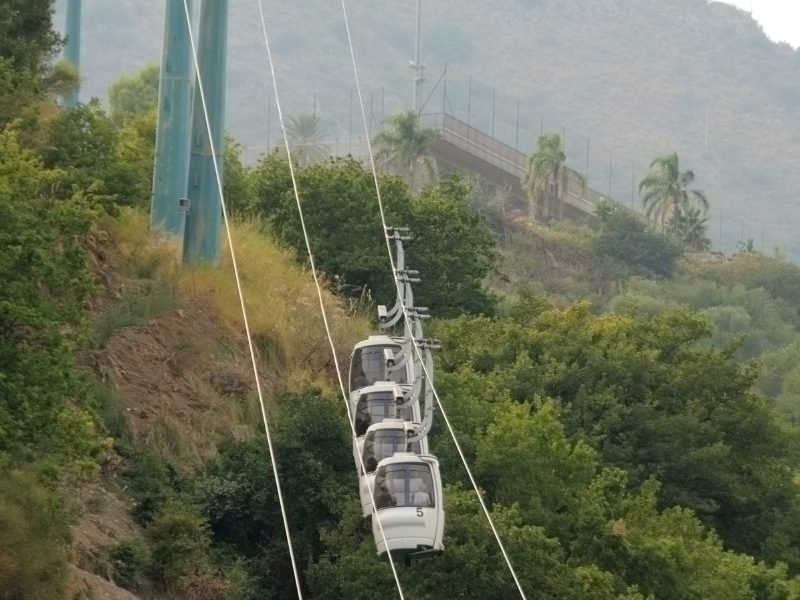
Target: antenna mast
(416, 65)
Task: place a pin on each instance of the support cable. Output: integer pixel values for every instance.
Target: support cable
(375, 512)
(242, 303)
(407, 320)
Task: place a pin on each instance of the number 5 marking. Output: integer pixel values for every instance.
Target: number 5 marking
(420, 512)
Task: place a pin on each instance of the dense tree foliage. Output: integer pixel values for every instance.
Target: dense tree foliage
(45, 282)
(622, 456)
(624, 238)
(110, 164)
(452, 249)
(58, 171)
(341, 215)
(779, 277)
(637, 389)
(131, 96)
(450, 244)
(27, 43)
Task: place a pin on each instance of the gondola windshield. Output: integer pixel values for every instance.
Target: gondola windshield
(368, 366)
(398, 485)
(374, 407)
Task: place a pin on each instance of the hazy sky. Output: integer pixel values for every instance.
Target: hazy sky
(779, 18)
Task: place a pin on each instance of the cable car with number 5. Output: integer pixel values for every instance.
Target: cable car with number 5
(409, 511)
(383, 440)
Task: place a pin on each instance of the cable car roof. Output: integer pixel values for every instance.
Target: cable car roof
(390, 424)
(378, 340)
(399, 458)
(381, 386)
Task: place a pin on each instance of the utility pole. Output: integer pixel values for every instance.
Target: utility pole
(587, 160)
(173, 133)
(469, 104)
(72, 49)
(350, 126)
(269, 124)
(492, 112)
(416, 65)
(201, 239)
(444, 92)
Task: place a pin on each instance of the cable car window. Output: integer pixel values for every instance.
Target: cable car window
(368, 366)
(406, 411)
(374, 408)
(383, 444)
(404, 485)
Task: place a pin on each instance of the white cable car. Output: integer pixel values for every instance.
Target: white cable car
(384, 400)
(382, 440)
(373, 360)
(408, 502)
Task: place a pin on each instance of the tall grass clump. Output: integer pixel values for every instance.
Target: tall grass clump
(137, 253)
(282, 305)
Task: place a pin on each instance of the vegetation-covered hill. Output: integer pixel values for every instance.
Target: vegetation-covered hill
(630, 410)
(637, 79)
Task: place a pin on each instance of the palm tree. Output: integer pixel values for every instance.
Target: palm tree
(406, 148)
(665, 191)
(305, 138)
(746, 247)
(547, 177)
(690, 226)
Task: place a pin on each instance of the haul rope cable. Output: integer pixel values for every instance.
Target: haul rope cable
(242, 303)
(316, 283)
(405, 312)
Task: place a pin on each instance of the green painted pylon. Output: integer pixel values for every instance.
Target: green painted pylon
(173, 134)
(201, 239)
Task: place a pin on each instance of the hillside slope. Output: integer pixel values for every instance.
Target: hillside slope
(174, 379)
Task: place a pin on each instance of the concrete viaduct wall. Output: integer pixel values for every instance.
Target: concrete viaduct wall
(463, 148)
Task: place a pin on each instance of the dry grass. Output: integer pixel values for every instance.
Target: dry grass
(281, 300)
(282, 306)
(136, 253)
(183, 375)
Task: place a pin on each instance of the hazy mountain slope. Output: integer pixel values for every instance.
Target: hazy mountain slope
(630, 80)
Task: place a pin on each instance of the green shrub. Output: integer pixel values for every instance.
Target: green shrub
(179, 543)
(626, 239)
(33, 539)
(129, 559)
(152, 481)
(113, 415)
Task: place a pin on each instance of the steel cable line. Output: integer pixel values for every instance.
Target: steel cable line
(312, 263)
(406, 316)
(242, 303)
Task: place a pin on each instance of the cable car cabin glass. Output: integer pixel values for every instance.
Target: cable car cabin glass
(383, 444)
(368, 366)
(399, 485)
(376, 406)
